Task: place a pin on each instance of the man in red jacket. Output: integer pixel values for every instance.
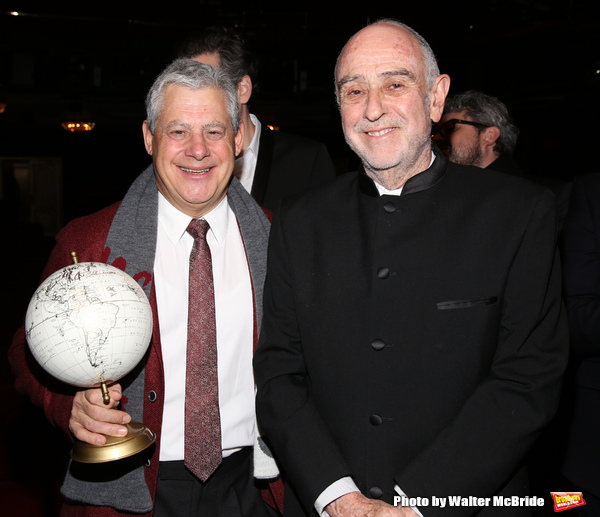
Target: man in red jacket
(193, 133)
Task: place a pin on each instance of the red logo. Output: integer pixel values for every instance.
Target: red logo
(567, 500)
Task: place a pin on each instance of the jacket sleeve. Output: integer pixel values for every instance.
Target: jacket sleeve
(581, 256)
(285, 411)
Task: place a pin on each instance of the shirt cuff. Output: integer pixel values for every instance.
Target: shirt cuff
(400, 492)
(334, 491)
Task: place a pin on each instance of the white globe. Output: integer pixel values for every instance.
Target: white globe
(89, 323)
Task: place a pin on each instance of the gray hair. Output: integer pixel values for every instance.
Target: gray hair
(195, 76)
(432, 70)
(489, 111)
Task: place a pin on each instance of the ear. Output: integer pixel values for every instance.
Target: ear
(244, 89)
(239, 139)
(148, 137)
(439, 91)
(490, 135)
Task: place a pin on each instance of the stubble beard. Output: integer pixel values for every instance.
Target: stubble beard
(466, 155)
(395, 174)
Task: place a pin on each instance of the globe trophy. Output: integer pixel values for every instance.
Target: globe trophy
(89, 324)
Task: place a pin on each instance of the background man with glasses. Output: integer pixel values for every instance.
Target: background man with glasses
(476, 129)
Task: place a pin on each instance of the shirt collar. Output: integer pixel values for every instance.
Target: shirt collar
(253, 147)
(422, 181)
(245, 164)
(175, 222)
(397, 192)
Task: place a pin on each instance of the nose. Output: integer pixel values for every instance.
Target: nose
(375, 107)
(197, 147)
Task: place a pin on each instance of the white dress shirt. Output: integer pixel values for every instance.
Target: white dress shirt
(245, 165)
(234, 313)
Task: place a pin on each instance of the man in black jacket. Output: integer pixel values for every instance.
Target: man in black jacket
(413, 338)
(581, 259)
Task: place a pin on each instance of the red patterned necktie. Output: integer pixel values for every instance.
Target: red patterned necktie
(203, 451)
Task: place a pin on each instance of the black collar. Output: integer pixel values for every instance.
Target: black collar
(422, 181)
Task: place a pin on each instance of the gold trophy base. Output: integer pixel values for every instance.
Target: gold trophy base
(138, 438)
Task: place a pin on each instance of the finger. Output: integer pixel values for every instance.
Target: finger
(114, 394)
(87, 405)
(115, 391)
(90, 422)
(95, 396)
(94, 430)
(102, 429)
(107, 415)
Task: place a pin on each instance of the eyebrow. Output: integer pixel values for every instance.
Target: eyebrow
(214, 124)
(176, 123)
(403, 72)
(185, 125)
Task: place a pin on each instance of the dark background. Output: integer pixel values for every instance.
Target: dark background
(95, 61)
(540, 57)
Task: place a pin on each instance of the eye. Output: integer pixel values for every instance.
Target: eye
(352, 93)
(177, 134)
(394, 86)
(215, 134)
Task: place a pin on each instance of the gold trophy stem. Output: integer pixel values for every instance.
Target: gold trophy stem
(105, 394)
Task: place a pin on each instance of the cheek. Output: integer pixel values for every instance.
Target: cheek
(228, 151)
(350, 114)
(349, 127)
(454, 138)
(163, 147)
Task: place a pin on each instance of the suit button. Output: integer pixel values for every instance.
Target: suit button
(376, 420)
(147, 463)
(389, 207)
(383, 272)
(376, 492)
(152, 396)
(378, 344)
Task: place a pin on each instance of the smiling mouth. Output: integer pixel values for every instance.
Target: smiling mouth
(381, 132)
(194, 171)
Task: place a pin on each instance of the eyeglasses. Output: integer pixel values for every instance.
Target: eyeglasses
(449, 126)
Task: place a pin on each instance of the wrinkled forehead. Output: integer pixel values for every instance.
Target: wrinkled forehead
(181, 102)
(378, 50)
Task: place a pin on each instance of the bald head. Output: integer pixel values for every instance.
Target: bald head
(388, 100)
(387, 26)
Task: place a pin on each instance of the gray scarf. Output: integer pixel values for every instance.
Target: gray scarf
(132, 243)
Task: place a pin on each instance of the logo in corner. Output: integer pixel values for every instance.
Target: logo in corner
(567, 500)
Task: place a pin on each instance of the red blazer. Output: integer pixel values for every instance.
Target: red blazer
(87, 236)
